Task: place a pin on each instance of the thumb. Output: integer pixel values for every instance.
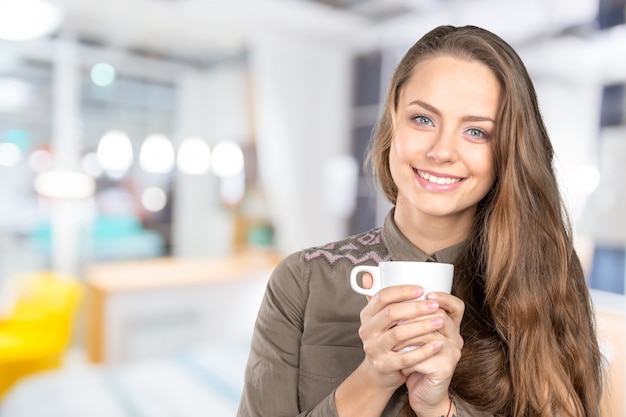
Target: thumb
(368, 282)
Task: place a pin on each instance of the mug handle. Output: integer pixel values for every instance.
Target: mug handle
(376, 285)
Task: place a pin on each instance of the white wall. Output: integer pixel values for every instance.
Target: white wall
(571, 111)
(569, 74)
(301, 98)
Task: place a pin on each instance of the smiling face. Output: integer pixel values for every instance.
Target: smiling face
(440, 156)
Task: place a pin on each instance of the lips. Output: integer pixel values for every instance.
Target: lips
(437, 180)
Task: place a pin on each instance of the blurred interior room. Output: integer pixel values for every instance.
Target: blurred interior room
(159, 157)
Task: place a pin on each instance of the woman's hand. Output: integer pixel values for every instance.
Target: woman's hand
(393, 320)
(429, 378)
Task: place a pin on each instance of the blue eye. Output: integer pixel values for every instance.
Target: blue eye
(422, 120)
(477, 133)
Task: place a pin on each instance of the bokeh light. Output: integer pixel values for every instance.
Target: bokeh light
(227, 159)
(20, 137)
(153, 199)
(115, 153)
(102, 74)
(40, 160)
(157, 154)
(64, 185)
(194, 156)
(10, 154)
(22, 20)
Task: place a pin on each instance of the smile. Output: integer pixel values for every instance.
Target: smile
(437, 180)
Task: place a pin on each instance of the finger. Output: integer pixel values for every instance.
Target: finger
(454, 306)
(377, 318)
(397, 294)
(452, 332)
(442, 324)
(420, 359)
(437, 359)
(367, 280)
(395, 305)
(417, 333)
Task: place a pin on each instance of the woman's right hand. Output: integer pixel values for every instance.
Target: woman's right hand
(382, 337)
(366, 392)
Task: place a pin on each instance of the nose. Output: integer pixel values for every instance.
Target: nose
(442, 150)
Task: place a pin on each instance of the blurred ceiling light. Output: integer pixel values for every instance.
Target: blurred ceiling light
(64, 185)
(227, 159)
(22, 20)
(157, 154)
(115, 153)
(10, 154)
(40, 160)
(102, 74)
(194, 156)
(15, 93)
(90, 166)
(154, 199)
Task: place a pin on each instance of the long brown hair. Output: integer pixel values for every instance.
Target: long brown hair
(530, 344)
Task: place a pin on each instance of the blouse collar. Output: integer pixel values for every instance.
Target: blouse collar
(401, 249)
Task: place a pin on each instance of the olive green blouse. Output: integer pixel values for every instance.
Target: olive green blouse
(306, 338)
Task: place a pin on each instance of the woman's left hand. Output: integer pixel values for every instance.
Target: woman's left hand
(428, 380)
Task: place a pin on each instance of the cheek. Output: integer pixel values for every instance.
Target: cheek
(394, 161)
(399, 157)
(482, 161)
(404, 147)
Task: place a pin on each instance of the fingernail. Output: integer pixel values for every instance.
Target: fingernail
(418, 291)
(432, 305)
(437, 322)
(432, 296)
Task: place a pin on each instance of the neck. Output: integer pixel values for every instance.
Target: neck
(433, 233)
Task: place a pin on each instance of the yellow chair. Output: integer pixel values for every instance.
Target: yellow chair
(35, 336)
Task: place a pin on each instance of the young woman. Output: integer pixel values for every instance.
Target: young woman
(462, 153)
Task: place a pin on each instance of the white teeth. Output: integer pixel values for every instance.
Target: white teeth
(437, 180)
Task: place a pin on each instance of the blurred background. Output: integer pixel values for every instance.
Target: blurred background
(159, 156)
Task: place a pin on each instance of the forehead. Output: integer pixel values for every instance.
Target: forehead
(452, 83)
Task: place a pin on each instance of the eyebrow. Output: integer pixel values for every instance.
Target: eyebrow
(468, 118)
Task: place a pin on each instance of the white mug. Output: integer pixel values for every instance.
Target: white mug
(432, 276)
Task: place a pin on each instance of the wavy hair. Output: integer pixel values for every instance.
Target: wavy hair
(530, 343)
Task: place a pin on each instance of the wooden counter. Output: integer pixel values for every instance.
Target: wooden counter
(146, 308)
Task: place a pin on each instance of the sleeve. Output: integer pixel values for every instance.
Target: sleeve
(271, 378)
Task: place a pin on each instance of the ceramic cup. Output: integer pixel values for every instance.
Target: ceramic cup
(432, 276)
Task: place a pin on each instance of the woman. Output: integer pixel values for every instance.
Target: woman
(462, 153)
